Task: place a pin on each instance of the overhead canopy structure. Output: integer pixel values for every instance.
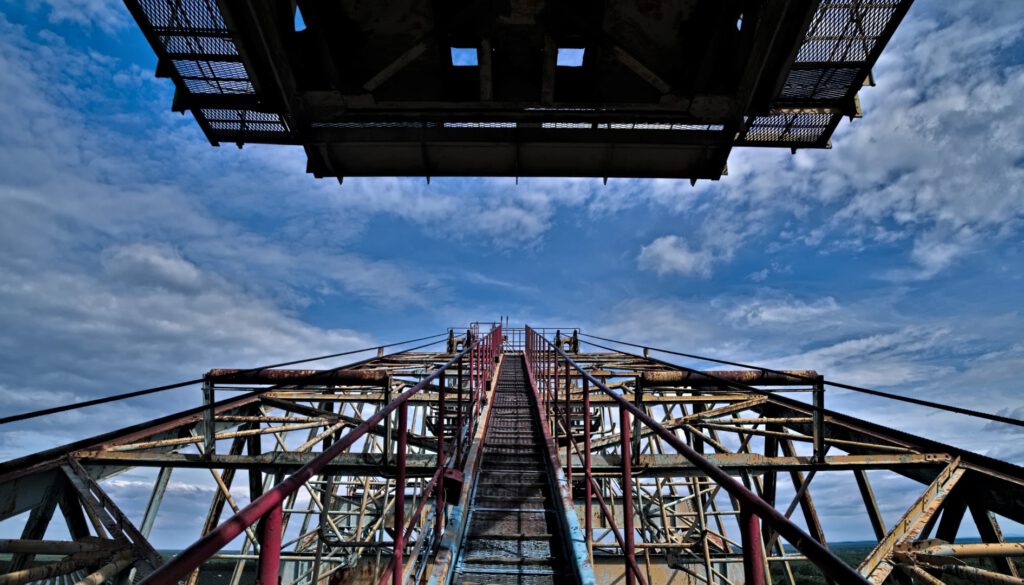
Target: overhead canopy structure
(612, 88)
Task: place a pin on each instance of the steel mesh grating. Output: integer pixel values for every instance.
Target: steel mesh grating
(834, 57)
(507, 578)
(819, 84)
(481, 547)
(184, 45)
(244, 122)
(789, 127)
(532, 524)
(479, 124)
(189, 15)
(846, 30)
(357, 125)
(194, 33)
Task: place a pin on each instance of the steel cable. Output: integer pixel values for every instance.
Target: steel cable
(154, 390)
(827, 382)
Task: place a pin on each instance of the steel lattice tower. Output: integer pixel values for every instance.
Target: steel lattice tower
(556, 465)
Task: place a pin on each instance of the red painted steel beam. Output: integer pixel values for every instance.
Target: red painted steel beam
(270, 547)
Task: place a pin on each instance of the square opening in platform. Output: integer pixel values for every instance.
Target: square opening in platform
(568, 57)
(463, 57)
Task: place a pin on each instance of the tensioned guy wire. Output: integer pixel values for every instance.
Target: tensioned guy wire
(918, 401)
(154, 390)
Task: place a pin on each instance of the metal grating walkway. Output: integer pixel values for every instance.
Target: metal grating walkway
(514, 534)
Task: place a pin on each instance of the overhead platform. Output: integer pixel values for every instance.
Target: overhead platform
(613, 88)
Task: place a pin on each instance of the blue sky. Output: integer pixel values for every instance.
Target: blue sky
(136, 254)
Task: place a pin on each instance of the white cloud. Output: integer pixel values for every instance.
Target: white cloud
(869, 343)
(107, 15)
(933, 170)
(151, 265)
(114, 277)
(759, 275)
(673, 255)
(785, 311)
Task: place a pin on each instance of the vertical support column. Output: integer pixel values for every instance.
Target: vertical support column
(399, 527)
(209, 427)
(325, 518)
(568, 427)
(553, 408)
(458, 417)
(638, 400)
(439, 510)
(472, 389)
(753, 557)
(255, 447)
(477, 373)
(387, 423)
(586, 467)
(818, 419)
(270, 547)
(627, 496)
(769, 483)
(552, 377)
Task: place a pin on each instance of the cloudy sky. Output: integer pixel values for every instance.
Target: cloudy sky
(135, 254)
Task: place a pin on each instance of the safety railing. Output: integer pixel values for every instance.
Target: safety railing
(515, 337)
(478, 362)
(551, 370)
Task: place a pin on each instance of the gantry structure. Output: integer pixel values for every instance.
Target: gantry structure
(581, 88)
(495, 454)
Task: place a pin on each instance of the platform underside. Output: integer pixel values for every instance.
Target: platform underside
(661, 89)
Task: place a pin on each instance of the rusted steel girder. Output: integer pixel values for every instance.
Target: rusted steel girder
(724, 377)
(303, 377)
(674, 465)
(682, 523)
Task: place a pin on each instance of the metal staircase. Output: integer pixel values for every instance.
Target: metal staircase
(513, 534)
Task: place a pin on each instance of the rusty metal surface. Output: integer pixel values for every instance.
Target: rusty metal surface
(685, 527)
(304, 377)
(723, 377)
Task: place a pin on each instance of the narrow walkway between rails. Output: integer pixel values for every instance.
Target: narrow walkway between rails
(514, 532)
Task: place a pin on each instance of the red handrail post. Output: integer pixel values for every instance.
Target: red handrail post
(553, 407)
(586, 464)
(458, 417)
(441, 413)
(753, 557)
(568, 428)
(479, 386)
(270, 546)
(397, 563)
(472, 387)
(627, 496)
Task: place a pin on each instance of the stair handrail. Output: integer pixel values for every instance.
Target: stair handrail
(267, 510)
(543, 357)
